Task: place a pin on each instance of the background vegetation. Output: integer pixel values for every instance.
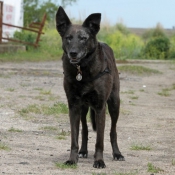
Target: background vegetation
(152, 44)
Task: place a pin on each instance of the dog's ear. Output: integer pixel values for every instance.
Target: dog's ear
(93, 22)
(62, 21)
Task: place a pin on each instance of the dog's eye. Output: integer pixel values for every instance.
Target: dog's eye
(68, 38)
(83, 38)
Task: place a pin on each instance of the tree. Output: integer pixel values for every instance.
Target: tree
(35, 9)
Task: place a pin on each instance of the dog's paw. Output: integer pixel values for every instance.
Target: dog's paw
(83, 154)
(118, 157)
(70, 162)
(99, 164)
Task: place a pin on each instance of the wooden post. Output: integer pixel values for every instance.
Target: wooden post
(1, 13)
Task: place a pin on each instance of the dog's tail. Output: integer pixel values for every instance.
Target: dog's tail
(93, 121)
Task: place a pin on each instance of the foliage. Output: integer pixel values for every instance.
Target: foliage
(158, 31)
(172, 47)
(153, 169)
(137, 70)
(122, 28)
(157, 47)
(35, 9)
(25, 36)
(124, 46)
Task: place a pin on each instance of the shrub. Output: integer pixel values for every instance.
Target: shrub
(25, 36)
(157, 47)
(172, 48)
(124, 46)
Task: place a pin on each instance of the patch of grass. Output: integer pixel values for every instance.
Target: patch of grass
(138, 147)
(10, 89)
(141, 90)
(153, 169)
(50, 128)
(173, 162)
(30, 109)
(64, 166)
(134, 97)
(124, 111)
(4, 147)
(138, 70)
(57, 108)
(166, 91)
(44, 92)
(173, 86)
(12, 129)
(99, 174)
(62, 135)
(40, 97)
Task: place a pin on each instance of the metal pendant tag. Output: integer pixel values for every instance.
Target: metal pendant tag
(79, 77)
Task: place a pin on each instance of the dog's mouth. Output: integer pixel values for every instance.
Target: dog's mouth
(74, 60)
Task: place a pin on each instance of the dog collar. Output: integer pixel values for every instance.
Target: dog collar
(100, 74)
(79, 73)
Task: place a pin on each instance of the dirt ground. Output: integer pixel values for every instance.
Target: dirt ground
(146, 119)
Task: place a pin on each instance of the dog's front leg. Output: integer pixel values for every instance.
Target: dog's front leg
(74, 114)
(100, 122)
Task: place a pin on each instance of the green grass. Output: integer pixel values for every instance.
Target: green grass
(45, 92)
(62, 135)
(49, 128)
(64, 166)
(30, 109)
(10, 89)
(55, 109)
(12, 129)
(137, 70)
(153, 169)
(138, 147)
(173, 162)
(4, 147)
(134, 97)
(166, 91)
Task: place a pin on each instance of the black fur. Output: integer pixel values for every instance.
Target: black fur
(81, 48)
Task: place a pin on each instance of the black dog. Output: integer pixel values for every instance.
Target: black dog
(90, 80)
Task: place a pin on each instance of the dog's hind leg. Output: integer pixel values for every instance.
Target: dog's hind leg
(113, 107)
(83, 153)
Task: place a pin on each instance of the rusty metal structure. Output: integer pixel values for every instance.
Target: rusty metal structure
(36, 27)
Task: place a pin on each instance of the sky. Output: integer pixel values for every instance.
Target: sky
(132, 13)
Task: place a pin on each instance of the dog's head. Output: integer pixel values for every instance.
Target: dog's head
(78, 40)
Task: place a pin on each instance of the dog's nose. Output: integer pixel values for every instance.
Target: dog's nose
(73, 54)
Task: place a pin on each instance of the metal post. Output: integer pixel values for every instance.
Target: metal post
(1, 13)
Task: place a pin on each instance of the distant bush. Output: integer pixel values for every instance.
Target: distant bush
(158, 31)
(124, 46)
(157, 47)
(122, 28)
(172, 48)
(157, 44)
